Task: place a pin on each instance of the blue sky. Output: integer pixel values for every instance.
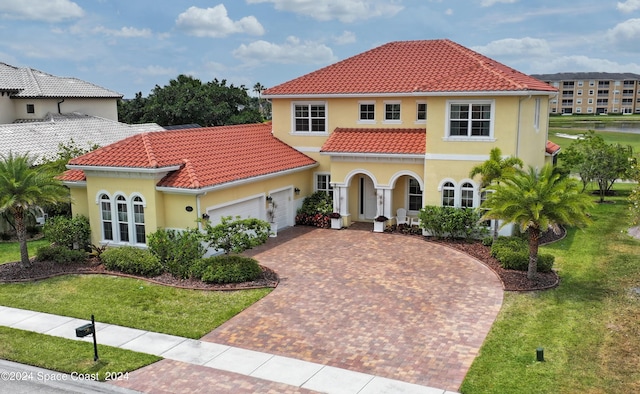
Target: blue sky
(131, 46)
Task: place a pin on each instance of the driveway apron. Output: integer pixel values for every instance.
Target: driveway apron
(388, 305)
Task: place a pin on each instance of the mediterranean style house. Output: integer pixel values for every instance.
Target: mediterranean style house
(398, 126)
(594, 92)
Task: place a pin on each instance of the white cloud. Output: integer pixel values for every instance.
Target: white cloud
(40, 10)
(293, 51)
(152, 70)
(489, 3)
(343, 10)
(515, 46)
(347, 37)
(448, 11)
(625, 33)
(628, 6)
(582, 63)
(127, 32)
(215, 22)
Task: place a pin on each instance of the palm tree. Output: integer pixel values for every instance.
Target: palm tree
(258, 88)
(494, 169)
(23, 186)
(537, 201)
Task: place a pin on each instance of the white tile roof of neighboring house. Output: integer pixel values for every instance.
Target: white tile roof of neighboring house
(42, 138)
(28, 82)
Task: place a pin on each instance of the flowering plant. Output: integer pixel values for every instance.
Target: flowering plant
(382, 218)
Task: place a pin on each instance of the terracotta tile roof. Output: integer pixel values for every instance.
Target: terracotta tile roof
(207, 156)
(552, 148)
(412, 67)
(73, 176)
(384, 141)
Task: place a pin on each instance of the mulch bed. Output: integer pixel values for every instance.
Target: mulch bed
(39, 270)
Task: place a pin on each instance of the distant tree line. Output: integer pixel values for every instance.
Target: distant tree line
(186, 100)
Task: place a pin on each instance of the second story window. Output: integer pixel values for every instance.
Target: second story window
(421, 112)
(367, 112)
(31, 108)
(310, 118)
(470, 119)
(392, 112)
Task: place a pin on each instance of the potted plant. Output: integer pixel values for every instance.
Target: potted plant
(379, 224)
(336, 220)
(271, 216)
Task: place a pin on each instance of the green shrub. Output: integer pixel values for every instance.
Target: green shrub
(227, 269)
(177, 250)
(60, 254)
(74, 233)
(513, 253)
(130, 260)
(315, 210)
(32, 231)
(450, 222)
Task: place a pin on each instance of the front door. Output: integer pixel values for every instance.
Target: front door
(367, 207)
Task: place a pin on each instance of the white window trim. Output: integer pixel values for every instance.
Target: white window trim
(315, 181)
(367, 121)
(447, 127)
(421, 121)
(441, 190)
(115, 221)
(312, 133)
(414, 212)
(384, 112)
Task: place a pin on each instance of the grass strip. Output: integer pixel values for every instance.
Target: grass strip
(69, 356)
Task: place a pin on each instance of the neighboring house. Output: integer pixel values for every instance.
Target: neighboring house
(42, 139)
(399, 126)
(594, 92)
(30, 94)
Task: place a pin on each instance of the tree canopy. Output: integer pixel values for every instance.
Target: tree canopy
(594, 160)
(186, 100)
(537, 200)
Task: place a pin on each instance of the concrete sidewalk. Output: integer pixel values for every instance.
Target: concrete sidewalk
(290, 371)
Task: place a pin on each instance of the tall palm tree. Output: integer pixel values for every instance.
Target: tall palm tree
(23, 186)
(537, 201)
(494, 169)
(258, 88)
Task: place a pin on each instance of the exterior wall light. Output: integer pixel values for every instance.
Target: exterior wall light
(297, 191)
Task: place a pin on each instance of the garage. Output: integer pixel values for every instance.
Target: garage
(283, 212)
(252, 207)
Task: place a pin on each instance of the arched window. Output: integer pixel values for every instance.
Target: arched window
(138, 220)
(448, 194)
(466, 195)
(123, 218)
(107, 219)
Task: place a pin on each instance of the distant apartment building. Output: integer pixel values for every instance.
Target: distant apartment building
(593, 92)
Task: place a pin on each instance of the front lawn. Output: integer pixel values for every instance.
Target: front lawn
(131, 303)
(588, 326)
(10, 251)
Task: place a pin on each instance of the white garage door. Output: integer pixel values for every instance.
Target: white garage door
(251, 208)
(284, 213)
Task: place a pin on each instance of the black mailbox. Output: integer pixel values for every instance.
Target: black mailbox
(85, 330)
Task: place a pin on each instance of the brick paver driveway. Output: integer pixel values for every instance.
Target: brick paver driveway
(389, 305)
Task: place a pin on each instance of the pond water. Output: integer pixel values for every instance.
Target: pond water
(620, 127)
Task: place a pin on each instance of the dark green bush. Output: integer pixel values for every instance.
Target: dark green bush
(450, 222)
(72, 233)
(513, 253)
(315, 210)
(60, 254)
(177, 250)
(130, 260)
(227, 269)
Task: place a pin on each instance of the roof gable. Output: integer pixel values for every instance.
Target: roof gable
(207, 156)
(425, 66)
(31, 83)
